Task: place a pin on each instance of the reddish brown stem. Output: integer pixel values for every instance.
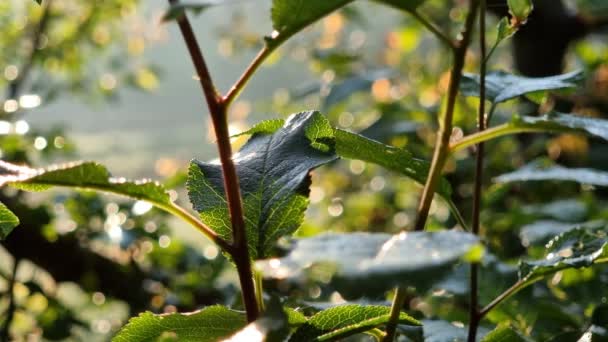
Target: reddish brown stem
(218, 112)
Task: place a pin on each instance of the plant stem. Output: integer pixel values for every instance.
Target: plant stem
(236, 89)
(442, 36)
(218, 112)
(10, 312)
(441, 152)
(501, 130)
(180, 212)
(477, 193)
(508, 293)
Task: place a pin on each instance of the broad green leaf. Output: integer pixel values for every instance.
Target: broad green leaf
(342, 321)
(502, 86)
(210, 324)
(443, 331)
(273, 171)
(503, 334)
(291, 16)
(364, 263)
(82, 175)
(576, 248)
(354, 146)
(406, 5)
(177, 10)
(536, 172)
(8, 221)
(272, 326)
(520, 9)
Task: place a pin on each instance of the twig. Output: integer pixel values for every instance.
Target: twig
(442, 36)
(218, 112)
(236, 89)
(441, 152)
(508, 293)
(10, 312)
(477, 193)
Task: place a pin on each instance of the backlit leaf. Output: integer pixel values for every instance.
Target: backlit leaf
(520, 9)
(273, 172)
(210, 324)
(81, 175)
(364, 263)
(8, 221)
(342, 321)
(291, 16)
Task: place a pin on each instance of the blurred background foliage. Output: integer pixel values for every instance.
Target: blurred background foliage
(81, 264)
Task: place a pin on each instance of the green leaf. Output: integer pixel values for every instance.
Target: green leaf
(82, 175)
(444, 331)
(504, 31)
(576, 248)
(354, 146)
(8, 221)
(273, 171)
(520, 9)
(177, 10)
(406, 5)
(210, 324)
(342, 321)
(594, 126)
(291, 16)
(502, 86)
(503, 334)
(364, 263)
(540, 232)
(272, 326)
(536, 172)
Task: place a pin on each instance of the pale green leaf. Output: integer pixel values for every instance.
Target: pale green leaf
(210, 324)
(502, 86)
(520, 9)
(81, 175)
(8, 221)
(576, 248)
(364, 263)
(342, 321)
(537, 172)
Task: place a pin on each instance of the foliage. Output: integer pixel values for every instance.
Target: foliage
(356, 169)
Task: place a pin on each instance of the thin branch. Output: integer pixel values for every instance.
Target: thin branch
(477, 193)
(508, 293)
(436, 30)
(218, 112)
(14, 88)
(440, 155)
(10, 312)
(238, 87)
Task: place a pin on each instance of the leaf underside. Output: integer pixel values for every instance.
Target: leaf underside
(8, 221)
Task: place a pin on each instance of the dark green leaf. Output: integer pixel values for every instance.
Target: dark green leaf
(444, 331)
(363, 263)
(179, 9)
(8, 221)
(502, 86)
(82, 175)
(406, 5)
(210, 324)
(273, 171)
(503, 334)
(343, 321)
(520, 9)
(536, 172)
(576, 248)
(360, 83)
(291, 16)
